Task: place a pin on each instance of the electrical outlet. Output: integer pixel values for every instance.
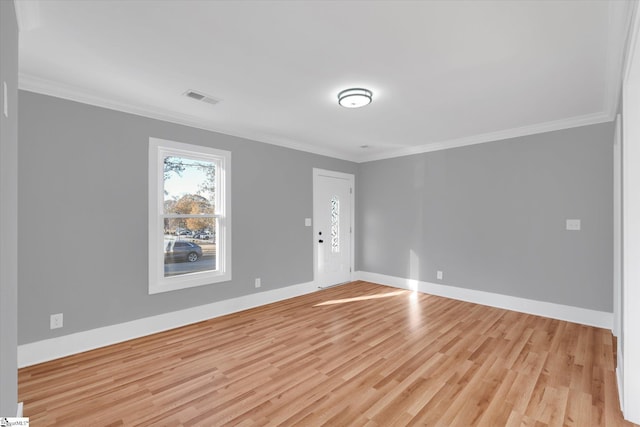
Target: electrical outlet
(258, 282)
(439, 275)
(56, 321)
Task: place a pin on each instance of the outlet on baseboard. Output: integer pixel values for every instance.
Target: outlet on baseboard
(258, 282)
(56, 321)
(439, 275)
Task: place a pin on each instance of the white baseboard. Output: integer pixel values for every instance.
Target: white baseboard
(569, 313)
(54, 348)
(20, 410)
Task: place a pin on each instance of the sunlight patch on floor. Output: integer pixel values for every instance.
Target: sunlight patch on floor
(362, 298)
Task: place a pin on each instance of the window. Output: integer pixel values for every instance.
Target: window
(335, 225)
(189, 216)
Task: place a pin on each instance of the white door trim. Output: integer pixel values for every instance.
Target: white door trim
(617, 228)
(351, 178)
(629, 369)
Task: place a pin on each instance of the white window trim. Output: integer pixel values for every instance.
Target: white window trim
(158, 150)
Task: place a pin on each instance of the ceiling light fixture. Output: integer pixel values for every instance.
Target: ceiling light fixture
(355, 97)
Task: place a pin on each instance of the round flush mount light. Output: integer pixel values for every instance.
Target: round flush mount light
(355, 98)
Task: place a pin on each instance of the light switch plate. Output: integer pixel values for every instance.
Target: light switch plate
(573, 225)
(307, 222)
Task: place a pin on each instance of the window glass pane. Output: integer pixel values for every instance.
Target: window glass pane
(189, 250)
(335, 225)
(189, 186)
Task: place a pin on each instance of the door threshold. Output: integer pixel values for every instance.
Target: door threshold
(333, 286)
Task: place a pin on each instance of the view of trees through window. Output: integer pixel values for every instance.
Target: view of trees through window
(189, 216)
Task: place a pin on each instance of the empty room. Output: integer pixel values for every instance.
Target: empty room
(320, 213)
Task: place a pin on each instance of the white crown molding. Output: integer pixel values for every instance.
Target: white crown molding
(42, 86)
(28, 14)
(46, 87)
(620, 22)
(632, 39)
(599, 319)
(55, 348)
(572, 122)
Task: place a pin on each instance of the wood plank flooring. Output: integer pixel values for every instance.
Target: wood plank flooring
(355, 355)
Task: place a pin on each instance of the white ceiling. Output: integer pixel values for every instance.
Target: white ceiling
(443, 73)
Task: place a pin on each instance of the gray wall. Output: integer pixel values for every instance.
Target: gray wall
(8, 211)
(83, 216)
(492, 217)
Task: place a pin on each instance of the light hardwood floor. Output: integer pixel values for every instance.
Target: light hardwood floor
(359, 354)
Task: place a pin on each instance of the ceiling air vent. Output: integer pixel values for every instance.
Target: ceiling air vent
(201, 97)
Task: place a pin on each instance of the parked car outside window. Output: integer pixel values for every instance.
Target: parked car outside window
(181, 251)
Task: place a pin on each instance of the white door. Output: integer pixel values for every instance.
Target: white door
(332, 231)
